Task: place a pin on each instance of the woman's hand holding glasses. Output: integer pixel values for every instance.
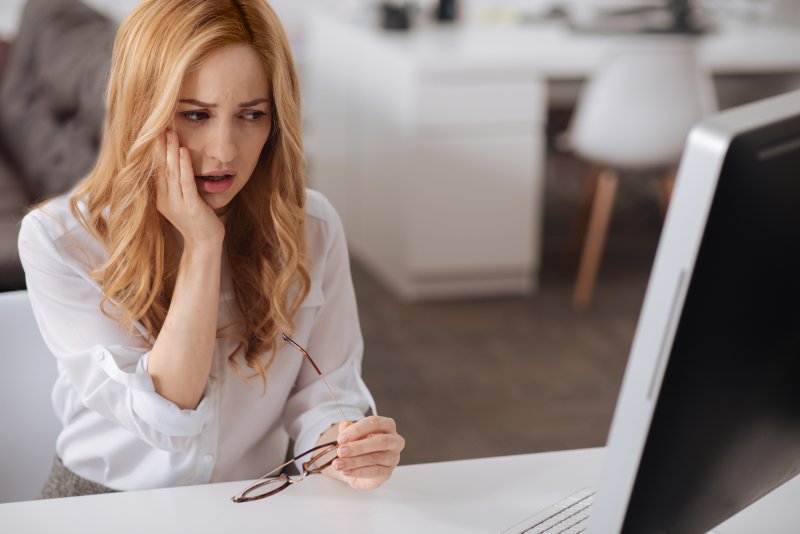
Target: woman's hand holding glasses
(362, 454)
(369, 450)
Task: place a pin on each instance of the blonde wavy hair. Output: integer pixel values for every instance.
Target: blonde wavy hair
(265, 238)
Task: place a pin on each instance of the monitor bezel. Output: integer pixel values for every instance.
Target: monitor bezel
(684, 226)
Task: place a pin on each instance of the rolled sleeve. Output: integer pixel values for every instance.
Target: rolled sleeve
(167, 417)
(105, 363)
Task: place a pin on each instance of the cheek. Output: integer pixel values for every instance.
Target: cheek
(255, 144)
(193, 143)
(184, 138)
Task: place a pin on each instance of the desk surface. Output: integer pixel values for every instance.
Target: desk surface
(469, 496)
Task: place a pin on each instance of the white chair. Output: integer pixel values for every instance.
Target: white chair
(634, 114)
(29, 426)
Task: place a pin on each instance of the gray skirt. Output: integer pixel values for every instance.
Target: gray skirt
(65, 483)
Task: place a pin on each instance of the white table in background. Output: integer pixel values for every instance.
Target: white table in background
(431, 144)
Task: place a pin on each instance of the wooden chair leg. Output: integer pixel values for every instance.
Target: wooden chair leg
(595, 239)
(577, 233)
(667, 185)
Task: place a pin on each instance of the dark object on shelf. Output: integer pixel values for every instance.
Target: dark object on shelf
(447, 10)
(669, 17)
(395, 17)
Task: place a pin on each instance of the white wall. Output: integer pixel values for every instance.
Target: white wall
(290, 11)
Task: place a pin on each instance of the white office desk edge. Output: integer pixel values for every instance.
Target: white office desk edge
(468, 496)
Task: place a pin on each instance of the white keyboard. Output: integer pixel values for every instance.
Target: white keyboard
(568, 516)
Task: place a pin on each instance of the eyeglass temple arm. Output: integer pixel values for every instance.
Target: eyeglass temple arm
(309, 451)
(277, 469)
(294, 343)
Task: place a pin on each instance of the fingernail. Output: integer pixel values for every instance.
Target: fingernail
(337, 465)
(343, 438)
(344, 451)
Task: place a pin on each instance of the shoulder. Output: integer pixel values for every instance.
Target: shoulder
(53, 229)
(53, 218)
(319, 208)
(327, 246)
(323, 225)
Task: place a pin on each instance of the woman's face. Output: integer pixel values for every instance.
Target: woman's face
(224, 119)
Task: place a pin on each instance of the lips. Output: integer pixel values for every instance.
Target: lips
(217, 175)
(215, 181)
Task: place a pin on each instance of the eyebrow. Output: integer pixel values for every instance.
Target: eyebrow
(200, 104)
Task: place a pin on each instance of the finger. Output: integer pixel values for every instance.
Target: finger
(173, 179)
(162, 192)
(373, 443)
(373, 472)
(188, 184)
(160, 176)
(385, 459)
(344, 425)
(369, 425)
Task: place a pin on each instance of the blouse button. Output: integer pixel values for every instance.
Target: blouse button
(208, 458)
(99, 355)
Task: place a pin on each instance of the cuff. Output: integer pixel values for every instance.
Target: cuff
(161, 414)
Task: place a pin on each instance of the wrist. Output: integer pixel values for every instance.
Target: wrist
(211, 245)
(201, 258)
(204, 237)
(330, 434)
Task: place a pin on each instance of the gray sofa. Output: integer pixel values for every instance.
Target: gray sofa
(52, 104)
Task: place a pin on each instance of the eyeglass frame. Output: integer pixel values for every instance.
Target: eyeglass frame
(325, 448)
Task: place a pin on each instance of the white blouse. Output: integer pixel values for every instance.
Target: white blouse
(118, 431)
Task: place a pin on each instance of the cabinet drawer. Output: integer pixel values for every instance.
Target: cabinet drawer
(475, 206)
(478, 102)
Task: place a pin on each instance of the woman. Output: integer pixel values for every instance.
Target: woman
(164, 282)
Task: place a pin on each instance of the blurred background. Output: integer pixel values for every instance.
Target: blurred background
(502, 168)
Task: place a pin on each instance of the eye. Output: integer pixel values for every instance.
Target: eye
(195, 116)
(253, 115)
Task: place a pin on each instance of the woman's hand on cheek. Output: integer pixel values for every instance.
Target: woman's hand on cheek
(369, 451)
(179, 201)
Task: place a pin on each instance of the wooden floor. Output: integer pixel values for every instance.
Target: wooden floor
(515, 375)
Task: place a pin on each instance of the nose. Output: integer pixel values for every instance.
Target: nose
(221, 144)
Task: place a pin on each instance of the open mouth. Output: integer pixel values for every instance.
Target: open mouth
(215, 183)
(215, 178)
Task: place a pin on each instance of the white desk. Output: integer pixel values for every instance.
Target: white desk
(471, 496)
(431, 143)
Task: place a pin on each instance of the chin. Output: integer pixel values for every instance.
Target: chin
(215, 202)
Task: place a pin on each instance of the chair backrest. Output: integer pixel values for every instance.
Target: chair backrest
(28, 424)
(637, 109)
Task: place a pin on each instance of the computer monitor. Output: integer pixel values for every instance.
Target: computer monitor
(708, 417)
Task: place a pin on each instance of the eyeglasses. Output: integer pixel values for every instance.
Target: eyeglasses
(320, 456)
(269, 485)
